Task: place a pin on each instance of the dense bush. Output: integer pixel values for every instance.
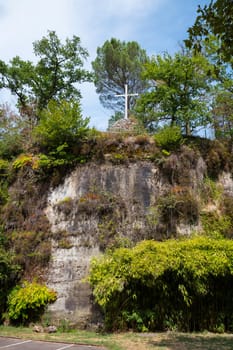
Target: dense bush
(9, 274)
(184, 284)
(26, 303)
(169, 137)
(61, 123)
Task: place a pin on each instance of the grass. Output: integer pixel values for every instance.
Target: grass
(129, 340)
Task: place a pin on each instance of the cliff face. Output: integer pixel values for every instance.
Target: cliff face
(129, 190)
(98, 206)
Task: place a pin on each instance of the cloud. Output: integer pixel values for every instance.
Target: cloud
(25, 21)
(152, 23)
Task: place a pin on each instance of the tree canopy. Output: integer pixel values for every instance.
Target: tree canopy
(119, 63)
(178, 91)
(215, 18)
(60, 66)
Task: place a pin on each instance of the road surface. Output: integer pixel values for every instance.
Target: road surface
(20, 344)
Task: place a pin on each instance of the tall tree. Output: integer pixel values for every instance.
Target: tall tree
(60, 66)
(215, 18)
(179, 92)
(223, 115)
(119, 63)
(13, 132)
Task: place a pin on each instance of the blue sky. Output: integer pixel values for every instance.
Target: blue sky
(157, 25)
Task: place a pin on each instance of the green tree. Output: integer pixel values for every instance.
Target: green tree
(11, 132)
(215, 18)
(179, 92)
(223, 115)
(60, 66)
(61, 123)
(119, 63)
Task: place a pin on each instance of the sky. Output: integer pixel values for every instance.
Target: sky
(157, 25)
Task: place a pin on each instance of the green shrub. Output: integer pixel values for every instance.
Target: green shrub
(61, 123)
(169, 137)
(182, 285)
(26, 159)
(215, 224)
(9, 274)
(26, 303)
(211, 190)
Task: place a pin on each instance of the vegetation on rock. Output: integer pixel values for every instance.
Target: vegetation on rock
(184, 284)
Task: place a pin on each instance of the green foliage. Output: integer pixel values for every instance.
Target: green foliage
(212, 191)
(11, 138)
(4, 166)
(9, 274)
(169, 137)
(179, 94)
(223, 115)
(215, 18)
(26, 303)
(23, 160)
(61, 125)
(4, 173)
(182, 284)
(3, 192)
(119, 63)
(60, 66)
(215, 225)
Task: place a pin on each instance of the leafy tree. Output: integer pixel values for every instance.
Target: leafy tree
(215, 18)
(12, 129)
(223, 115)
(223, 88)
(179, 92)
(119, 63)
(60, 66)
(61, 123)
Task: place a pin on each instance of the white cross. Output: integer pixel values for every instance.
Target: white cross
(126, 100)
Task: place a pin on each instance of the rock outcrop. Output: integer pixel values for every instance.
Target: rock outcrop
(104, 205)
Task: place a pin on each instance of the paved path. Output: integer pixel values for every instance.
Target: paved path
(20, 344)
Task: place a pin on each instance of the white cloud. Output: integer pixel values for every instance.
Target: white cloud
(25, 21)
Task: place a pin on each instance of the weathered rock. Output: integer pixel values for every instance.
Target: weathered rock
(51, 329)
(104, 203)
(38, 329)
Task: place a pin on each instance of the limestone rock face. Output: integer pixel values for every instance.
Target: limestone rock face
(100, 205)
